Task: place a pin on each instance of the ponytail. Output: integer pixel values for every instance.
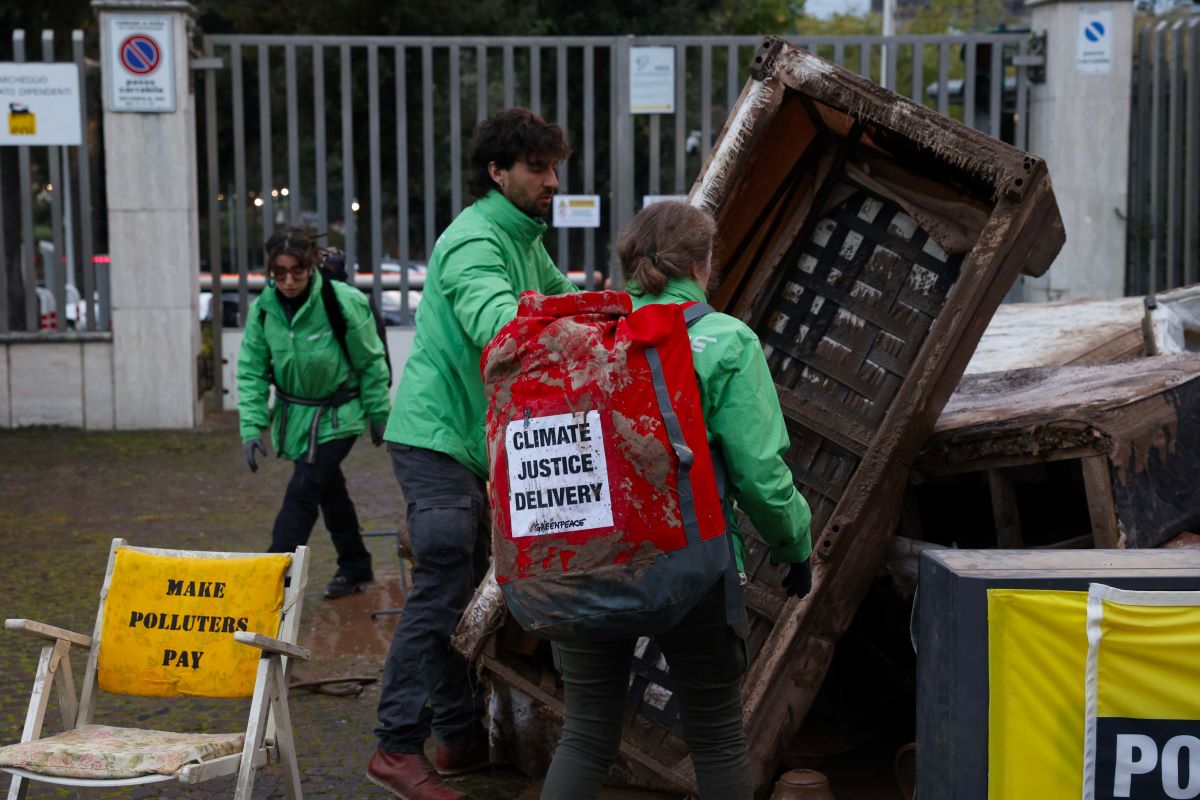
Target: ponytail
(665, 240)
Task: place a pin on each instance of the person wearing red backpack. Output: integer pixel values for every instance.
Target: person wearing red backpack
(481, 263)
(666, 255)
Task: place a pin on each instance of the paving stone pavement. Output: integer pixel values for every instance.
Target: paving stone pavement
(65, 494)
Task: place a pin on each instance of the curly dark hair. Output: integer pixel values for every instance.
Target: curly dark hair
(508, 136)
(295, 242)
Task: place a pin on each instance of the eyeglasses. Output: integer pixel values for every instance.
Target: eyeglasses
(280, 273)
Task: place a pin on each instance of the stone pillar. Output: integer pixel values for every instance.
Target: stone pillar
(153, 225)
(1079, 122)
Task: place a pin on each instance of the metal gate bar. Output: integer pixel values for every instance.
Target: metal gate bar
(645, 155)
(1164, 177)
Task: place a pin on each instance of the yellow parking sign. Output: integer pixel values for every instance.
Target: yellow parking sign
(21, 121)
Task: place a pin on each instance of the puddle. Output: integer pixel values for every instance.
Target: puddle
(346, 627)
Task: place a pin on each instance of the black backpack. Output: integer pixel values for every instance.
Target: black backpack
(332, 264)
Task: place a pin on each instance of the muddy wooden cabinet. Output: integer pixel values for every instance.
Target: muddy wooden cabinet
(867, 240)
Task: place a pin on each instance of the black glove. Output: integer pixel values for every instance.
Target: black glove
(249, 447)
(377, 432)
(798, 580)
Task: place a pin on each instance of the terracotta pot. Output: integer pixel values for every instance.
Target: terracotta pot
(802, 784)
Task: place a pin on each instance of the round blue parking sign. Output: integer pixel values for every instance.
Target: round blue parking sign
(1094, 31)
(140, 54)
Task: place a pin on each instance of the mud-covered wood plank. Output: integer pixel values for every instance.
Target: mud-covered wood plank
(1102, 510)
(856, 538)
(815, 413)
(1006, 516)
(1004, 453)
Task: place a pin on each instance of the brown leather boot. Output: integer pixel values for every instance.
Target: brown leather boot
(409, 776)
(455, 760)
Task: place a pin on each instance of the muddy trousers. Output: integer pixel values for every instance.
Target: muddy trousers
(321, 486)
(427, 685)
(707, 659)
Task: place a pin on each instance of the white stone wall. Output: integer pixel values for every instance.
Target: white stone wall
(57, 383)
(1080, 125)
(150, 180)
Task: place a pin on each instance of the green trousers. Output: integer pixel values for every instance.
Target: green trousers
(707, 659)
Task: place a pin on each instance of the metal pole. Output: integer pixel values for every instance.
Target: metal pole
(54, 271)
(24, 179)
(888, 79)
(623, 176)
(85, 249)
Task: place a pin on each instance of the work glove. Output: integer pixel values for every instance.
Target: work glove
(377, 432)
(798, 580)
(249, 447)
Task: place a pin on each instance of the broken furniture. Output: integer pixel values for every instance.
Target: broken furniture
(1024, 335)
(171, 623)
(867, 240)
(1094, 455)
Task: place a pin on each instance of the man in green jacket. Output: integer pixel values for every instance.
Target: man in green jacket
(324, 397)
(491, 253)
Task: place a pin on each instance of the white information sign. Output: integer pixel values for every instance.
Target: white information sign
(652, 80)
(557, 474)
(651, 199)
(1094, 41)
(577, 211)
(40, 103)
(141, 63)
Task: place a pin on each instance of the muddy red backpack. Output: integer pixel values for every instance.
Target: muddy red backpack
(606, 513)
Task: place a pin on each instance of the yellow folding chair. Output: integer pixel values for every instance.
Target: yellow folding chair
(171, 623)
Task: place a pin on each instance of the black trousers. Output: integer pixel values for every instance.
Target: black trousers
(320, 487)
(707, 659)
(427, 685)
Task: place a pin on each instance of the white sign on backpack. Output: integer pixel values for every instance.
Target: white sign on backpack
(557, 474)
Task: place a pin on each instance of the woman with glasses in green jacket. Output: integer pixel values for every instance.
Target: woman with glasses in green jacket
(326, 395)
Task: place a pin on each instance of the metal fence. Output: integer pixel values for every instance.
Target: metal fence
(63, 282)
(1164, 174)
(366, 138)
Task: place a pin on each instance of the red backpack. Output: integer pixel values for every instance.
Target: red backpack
(606, 512)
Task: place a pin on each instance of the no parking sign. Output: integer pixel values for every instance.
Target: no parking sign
(141, 63)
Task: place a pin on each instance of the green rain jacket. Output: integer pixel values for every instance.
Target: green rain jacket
(745, 423)
(491, 253)
(308, 362)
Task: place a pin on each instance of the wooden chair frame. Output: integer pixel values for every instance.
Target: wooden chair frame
(268, 729)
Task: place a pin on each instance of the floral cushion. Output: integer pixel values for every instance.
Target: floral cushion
(103, 752)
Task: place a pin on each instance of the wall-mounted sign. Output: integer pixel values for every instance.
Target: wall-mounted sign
(577, 211)
(652, 80)
(141, 63)
(1094, 41)
(39, 104)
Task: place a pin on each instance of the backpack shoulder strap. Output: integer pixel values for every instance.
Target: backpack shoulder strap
(337, 317)
(694, 312)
